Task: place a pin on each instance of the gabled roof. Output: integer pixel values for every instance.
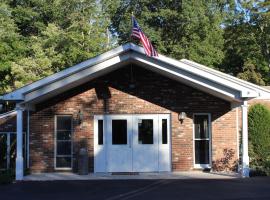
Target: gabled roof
(188, 72)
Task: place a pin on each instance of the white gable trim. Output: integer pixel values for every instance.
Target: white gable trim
(262, 91)
(188, 72)
(76, 79)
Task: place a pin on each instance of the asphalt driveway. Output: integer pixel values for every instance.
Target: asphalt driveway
(252, 188)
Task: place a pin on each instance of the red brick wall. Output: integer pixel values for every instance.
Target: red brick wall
(153, 93)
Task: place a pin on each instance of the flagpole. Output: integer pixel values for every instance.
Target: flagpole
(131, 85)
(130, 38)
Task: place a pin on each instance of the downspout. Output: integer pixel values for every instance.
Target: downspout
(237, 137)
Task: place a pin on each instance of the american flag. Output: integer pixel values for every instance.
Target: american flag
(138, 33)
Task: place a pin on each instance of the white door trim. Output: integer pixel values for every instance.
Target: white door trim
(55, 142)
(203, 166)
(101, 151)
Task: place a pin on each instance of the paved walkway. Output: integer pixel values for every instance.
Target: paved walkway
(144, 176)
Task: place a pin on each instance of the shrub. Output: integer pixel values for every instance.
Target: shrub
(259, 137)
(6, 176)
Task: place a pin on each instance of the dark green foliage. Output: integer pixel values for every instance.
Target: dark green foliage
(259, 137)
(38, 38)
(247, 40)
(232, 36)
(180, 29)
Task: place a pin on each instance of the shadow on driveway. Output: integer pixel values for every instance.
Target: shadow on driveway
(252, 188)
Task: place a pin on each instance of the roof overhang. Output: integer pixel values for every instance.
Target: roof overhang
(195, 75)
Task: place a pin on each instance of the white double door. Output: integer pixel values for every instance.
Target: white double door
(135, 143)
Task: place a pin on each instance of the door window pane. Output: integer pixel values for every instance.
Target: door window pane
(119, 131)
(202, 151)
(164, 131)
(100, 132)
(201, 126)
(145, 128)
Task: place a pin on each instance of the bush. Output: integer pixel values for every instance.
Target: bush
(259, 138)
(6, 176)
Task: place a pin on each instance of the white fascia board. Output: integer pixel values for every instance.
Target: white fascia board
(76, 78)
(262, 91)
(245, 91)
(184, 76)
(19, 93)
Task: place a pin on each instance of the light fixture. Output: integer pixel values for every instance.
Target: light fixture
(182, 116)
(80, 117)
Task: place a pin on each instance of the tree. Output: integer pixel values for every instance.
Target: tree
(12, 46)
(247, 42)
(53, 34)
(180, 29)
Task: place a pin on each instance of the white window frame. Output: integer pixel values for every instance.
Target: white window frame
(203, 166)
(55, 142)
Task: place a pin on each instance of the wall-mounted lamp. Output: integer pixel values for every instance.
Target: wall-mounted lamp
(182, 116)
(80, 117)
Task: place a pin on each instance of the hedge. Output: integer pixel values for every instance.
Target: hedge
(259, 137)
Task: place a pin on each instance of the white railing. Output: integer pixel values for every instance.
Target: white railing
(12, 112)
(8, 148)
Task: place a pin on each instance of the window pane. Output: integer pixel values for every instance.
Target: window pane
(3, 151)
(62, 162)
(119, 131)
(63, 135)
(64, 122)
(164, 131)
(100, 132)
(63, 148)
(145, 128)
(202, 151)
(201, 126)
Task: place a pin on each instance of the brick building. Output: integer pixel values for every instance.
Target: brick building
(132, 113)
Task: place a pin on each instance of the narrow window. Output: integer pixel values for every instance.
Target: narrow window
(63, 141)
(119, 131)
(146, 134)
(202, 139)
(100, 132)
(164, 131)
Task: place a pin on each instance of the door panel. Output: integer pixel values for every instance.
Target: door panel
(164, 157)
(145, 143)
(138, 143)
(119, 144)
